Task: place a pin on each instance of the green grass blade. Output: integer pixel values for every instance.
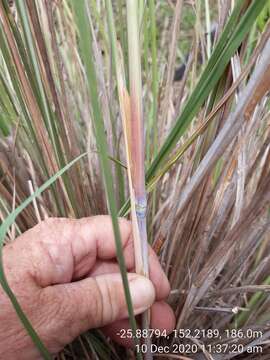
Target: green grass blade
(85, 41)
(241, 318)
(4, 125)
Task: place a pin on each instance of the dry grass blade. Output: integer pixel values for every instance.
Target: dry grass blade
(256, 88)
(171, 64)
(31, 104)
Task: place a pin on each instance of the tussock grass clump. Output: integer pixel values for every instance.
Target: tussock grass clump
(97, 78)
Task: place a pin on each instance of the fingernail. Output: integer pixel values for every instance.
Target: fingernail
(142, 293)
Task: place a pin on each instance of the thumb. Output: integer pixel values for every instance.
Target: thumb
(96, 302)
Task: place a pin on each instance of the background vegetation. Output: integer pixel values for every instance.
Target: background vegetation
(66, 89)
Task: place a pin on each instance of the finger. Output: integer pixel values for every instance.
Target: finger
(162, 320)
(156, 274)
(96, 302)
(59, 250)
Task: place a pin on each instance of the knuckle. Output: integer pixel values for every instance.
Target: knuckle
(108, 305)
(95, 313)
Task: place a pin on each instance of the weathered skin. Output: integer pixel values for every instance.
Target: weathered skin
(66, 278)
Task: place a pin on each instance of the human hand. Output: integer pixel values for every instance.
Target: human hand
(65, 276)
